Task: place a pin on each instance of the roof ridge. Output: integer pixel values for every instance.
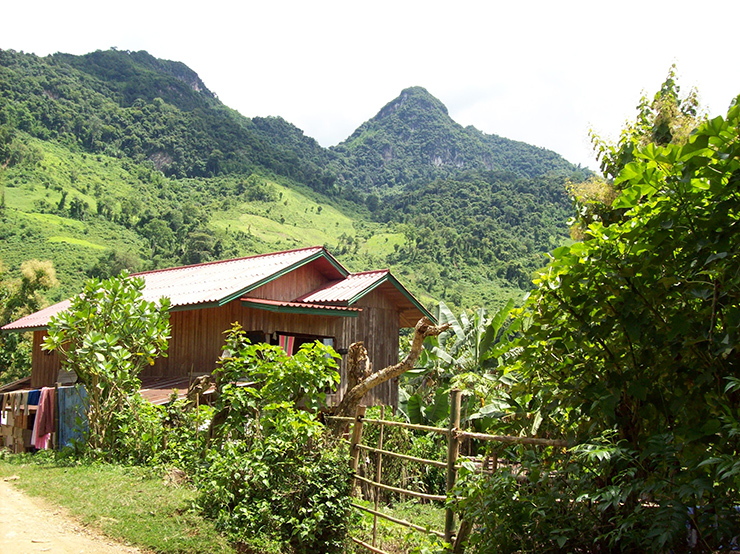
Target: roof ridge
(214, 262)
(370, 271)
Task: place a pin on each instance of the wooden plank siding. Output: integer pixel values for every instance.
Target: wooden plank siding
(44, 364)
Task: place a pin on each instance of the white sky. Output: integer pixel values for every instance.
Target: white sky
(543, 72)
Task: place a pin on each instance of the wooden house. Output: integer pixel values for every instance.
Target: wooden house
(286, 298)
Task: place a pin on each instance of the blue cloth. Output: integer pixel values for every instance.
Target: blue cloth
(72, 406)
(33, 397)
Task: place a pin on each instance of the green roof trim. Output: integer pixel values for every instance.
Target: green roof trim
(320, 254)
(328, 311)
(396, 283)
(200, 306)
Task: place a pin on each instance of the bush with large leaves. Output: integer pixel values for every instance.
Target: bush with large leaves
(632, 348)
(273, 477)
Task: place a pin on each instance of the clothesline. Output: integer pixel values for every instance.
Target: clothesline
(30, 418)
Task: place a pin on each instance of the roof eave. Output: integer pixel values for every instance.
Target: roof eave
(388, 277)
(301, 310)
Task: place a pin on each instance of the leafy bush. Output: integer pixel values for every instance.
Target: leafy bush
(289, 487)
(631, 348)
(271, 476)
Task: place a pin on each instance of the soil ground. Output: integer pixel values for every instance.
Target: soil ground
(29, 525)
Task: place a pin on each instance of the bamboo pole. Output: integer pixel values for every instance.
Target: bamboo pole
(340, 418)
(437, 497)
(369, 547)
(403, 456)
(514, 440)
(378, 475)
(453, 451)
(413, 426)
(400, 521)
(354, 449)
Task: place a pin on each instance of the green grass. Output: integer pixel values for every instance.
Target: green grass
(130, 504)
(78, 242)
(382, 244)
(398, 539)
(295, 220)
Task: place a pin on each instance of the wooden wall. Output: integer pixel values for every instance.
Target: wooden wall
(44, 364)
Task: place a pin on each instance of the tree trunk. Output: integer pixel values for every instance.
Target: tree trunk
(358, 357)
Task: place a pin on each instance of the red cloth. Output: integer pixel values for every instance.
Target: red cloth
(286, 342)
(46, 407)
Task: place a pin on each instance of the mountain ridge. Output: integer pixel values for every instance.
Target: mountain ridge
(413, 137)
(116, 159)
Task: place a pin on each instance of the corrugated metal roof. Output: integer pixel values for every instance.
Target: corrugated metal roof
(215, 282)
(37, 320)
(207, 283)
(345, 290)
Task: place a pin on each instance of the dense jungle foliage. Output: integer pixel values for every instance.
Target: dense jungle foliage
(628, 346)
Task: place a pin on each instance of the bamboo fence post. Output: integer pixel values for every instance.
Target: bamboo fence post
(354, 450)
(378, 475)
(453, 451)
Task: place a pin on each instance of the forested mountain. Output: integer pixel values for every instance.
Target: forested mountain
(413, 139)
(117, 159)
(131, 104)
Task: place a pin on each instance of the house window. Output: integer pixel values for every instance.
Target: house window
(292, 342)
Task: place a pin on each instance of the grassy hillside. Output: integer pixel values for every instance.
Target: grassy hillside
(75, 208)
(116, 159)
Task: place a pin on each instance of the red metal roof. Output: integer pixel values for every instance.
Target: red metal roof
(207, 283)
(37, 320)
(345, 290)
(217, 283)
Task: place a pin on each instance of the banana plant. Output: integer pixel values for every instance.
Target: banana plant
(465, 356)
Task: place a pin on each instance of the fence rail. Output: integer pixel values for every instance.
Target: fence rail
(402, 456)
(454, 437)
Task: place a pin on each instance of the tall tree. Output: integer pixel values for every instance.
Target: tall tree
(20, 297)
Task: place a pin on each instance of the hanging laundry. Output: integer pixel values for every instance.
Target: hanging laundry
(286, 342)
(72, 406)
(33, 397)
(43, 426)
(24, 402)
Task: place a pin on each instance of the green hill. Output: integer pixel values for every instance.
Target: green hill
(117, 159)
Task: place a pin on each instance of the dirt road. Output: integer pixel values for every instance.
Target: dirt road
(29, 525)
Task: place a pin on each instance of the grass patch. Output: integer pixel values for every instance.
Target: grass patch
(130, 504)
(382, 244)
(78, 242)
(398, 539)
(294, 220)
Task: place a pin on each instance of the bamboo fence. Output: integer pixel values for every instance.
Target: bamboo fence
(454, 437)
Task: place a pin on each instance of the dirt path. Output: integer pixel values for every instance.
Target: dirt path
(29, 525)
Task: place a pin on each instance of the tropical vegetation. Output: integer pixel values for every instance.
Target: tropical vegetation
(627, 347)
